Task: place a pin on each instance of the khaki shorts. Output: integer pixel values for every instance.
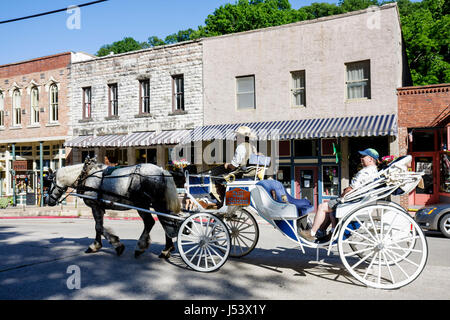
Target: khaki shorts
(333, 203)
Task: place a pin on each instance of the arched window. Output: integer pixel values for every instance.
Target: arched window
(53, 103)
(2, 109)
(17, 110)
(34, 105)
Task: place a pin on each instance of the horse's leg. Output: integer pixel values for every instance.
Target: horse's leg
(165, 253)
(100, 230)
(144, 240)
(114, 241)
(98, 217)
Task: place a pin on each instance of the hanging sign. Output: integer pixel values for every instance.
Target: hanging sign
(20, 165)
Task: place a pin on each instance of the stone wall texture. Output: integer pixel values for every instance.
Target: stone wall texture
(126, 70)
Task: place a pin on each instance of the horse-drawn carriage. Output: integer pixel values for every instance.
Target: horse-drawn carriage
(378, 242)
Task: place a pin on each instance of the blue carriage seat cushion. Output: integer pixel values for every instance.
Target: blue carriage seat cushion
(303, 205)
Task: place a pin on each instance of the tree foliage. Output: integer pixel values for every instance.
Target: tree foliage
(425, 27)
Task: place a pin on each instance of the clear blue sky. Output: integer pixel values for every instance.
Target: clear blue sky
(101, 23)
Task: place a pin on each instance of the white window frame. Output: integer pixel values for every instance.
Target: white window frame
(145, 96)
(241, 93)
(298, 88)
(362, 82)
(54, 103)
(17, 109)
(113, 99)
(87, 103)
(34, 105)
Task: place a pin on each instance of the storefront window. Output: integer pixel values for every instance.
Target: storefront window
(328, 146)
(305, 148)
(146, 156)
(330, 180)
(445, 173)
(284, 148)
(284, 176)
(120, 154)
(423, 140)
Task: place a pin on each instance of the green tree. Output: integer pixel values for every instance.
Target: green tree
(155, 41)
(125, 45)
(426, 31)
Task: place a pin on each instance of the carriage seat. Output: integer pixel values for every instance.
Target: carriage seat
(284, 205)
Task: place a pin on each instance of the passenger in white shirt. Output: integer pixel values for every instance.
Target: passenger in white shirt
(241, 155)
(369, 159)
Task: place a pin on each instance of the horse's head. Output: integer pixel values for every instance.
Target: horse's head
(55, 191)
(179, 174)
(67, 177)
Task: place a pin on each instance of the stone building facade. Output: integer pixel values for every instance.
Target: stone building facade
(136, 105)
(424, 133)
(34, 117)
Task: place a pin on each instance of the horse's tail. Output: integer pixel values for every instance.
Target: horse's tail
(171, 195)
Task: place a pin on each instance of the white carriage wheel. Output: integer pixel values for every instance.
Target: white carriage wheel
(377, 224)
(244, 232)
(392, 249)
(203, 242)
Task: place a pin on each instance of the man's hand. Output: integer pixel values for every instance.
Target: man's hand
(229, 166)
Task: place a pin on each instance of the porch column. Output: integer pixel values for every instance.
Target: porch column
(13, 173)
(41, 171)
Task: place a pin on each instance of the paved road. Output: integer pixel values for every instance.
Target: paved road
(39, 256)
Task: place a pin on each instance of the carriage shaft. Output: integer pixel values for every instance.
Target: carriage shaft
(118, 204)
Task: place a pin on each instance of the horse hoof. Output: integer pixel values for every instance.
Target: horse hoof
(165, 254)
(138, 253)
(120, 250)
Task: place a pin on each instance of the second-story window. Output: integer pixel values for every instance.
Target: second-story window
(34, 105)
(178, 92)
(358, 80)
(298, 89)
(17, 109)
(2, 110)
(245, 92)
(144, 90)
(113, 100)
(54, 103)
(87, 97)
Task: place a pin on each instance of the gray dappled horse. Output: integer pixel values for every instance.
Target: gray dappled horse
(142, 186)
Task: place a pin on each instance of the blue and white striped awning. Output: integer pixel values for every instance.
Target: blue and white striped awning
(362, 126)
(135, 139)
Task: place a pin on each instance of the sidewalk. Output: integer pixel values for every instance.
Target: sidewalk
(67, 211)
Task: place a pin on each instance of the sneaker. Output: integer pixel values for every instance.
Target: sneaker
(306, 234)
(324, 239)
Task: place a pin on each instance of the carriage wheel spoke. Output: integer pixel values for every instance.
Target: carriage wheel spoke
(404, 258)
(395, 261)
(365, 228)
(195, 254)
(362, 260)
(374, 227)
(356, 252)
(389, 268)
(370, 265)
(360, 235)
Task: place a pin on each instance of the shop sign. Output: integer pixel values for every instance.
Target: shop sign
(20, 165)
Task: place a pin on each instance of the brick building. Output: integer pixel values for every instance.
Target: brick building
(424, 133)
(136, 105)
(34, 118)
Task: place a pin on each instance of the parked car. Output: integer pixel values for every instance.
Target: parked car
(435, 218)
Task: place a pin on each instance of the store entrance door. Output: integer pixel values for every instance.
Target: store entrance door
(306, 184)
(427, 162)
